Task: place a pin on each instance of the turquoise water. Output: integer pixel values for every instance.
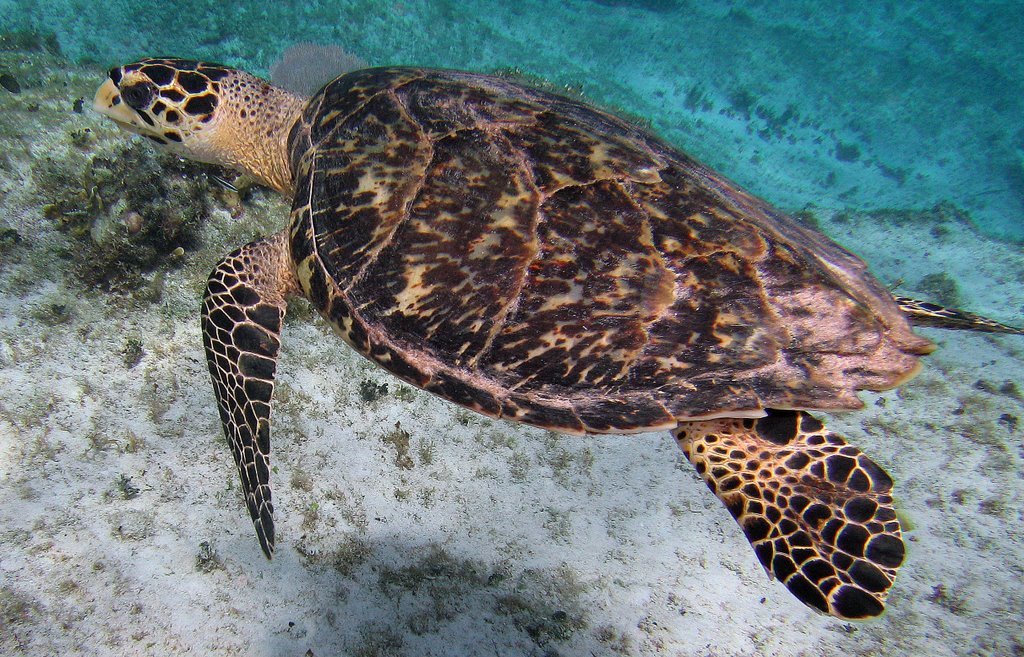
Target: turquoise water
(886, 104)
(408, 525)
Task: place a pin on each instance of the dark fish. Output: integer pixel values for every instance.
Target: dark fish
(8, 82)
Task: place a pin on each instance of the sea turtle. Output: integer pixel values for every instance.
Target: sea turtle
(533, 258)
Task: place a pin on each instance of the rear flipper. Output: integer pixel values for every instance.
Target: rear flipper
(817, 511)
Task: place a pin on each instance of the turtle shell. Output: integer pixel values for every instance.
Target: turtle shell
(531, 257)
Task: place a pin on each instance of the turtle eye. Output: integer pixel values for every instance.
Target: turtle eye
(138, 95)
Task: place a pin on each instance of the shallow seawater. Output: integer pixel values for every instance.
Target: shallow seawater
(408, 526)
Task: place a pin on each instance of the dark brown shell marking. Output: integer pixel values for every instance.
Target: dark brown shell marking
(528, 256)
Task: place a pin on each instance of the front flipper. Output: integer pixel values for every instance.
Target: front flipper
(243, 308)
(817, 511)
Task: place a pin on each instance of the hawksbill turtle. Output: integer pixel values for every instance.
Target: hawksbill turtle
(533, 258)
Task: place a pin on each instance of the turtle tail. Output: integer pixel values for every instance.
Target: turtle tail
(924, 313)
(243, 309)
(817, 511)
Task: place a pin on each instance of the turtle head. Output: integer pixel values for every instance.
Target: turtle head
(205, 112)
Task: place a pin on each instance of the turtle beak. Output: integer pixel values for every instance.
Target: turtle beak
(107, 102)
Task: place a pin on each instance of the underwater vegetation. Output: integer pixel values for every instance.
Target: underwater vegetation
(646, 5)
(305, 67)
(29, 41)
(129, 212)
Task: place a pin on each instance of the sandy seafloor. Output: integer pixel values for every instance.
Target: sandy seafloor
(121, 527)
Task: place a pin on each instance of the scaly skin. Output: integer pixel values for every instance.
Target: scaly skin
(206, 112)
(243, 309)
(817, 511)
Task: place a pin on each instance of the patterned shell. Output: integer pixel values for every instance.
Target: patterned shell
(531, 257)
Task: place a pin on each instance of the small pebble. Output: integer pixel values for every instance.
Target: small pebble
(132, 222)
